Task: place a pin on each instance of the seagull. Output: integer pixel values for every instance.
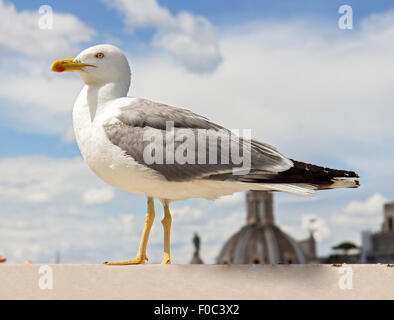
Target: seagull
(169, 153)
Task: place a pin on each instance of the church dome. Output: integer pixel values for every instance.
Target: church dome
(261, 244)
(261, 241)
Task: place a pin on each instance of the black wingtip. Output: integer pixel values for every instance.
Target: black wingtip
(352, 174)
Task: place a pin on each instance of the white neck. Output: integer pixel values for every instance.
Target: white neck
(98, 94)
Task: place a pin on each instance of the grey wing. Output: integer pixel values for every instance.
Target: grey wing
(146, 113)
(181, 145)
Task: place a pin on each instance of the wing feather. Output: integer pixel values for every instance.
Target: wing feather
(143, 125)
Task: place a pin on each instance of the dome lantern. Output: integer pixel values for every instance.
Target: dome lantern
(259, 208)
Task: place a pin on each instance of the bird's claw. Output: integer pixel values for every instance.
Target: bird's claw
(136, 260)
(166, 259)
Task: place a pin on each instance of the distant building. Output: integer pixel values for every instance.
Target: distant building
(261, 241)
(309, 247)
(379, 247)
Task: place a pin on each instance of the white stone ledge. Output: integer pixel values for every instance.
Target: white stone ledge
(198, 282)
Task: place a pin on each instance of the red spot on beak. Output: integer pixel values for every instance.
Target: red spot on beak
(59, 68)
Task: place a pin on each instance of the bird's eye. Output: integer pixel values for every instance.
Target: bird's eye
(99, 55)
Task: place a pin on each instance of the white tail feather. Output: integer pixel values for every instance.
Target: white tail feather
(299, 188)
(343, 183)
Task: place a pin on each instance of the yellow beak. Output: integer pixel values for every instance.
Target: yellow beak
(68, 65)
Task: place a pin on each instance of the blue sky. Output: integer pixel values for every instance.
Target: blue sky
(222, 13)
(283, 69)
(220, 10)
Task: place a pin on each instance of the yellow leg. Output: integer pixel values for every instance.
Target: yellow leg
(167, 228)
(141, 255)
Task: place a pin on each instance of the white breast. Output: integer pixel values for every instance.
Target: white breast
(108, 161)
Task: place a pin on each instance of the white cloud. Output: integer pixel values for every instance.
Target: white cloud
(363, 215)
(90, 238)
(38, 197)
(186, 213)
(43, 180)
(46, 208)
(20, 32)
(230, 200)
(69, 135)
(304, 85)
(190, 39)
(98, 195)
(296, 87)
(39, 102)
(371, 206)
(32, 98)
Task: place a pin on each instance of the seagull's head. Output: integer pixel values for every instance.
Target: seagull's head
(99, 64)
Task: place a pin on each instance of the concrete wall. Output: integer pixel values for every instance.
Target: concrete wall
(196, 282)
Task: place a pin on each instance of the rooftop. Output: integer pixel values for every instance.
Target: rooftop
(196, 282)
